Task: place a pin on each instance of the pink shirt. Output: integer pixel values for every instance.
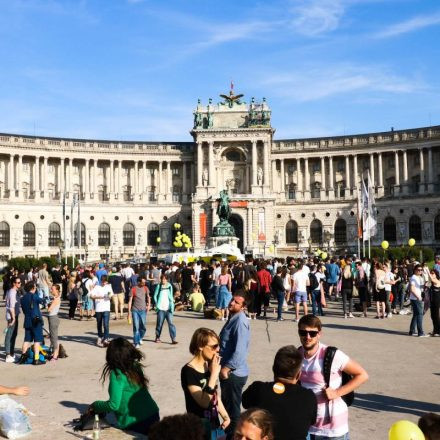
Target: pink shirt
(332, 416)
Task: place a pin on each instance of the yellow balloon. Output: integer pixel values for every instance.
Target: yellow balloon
(411, 242)
(323, 255)
(158, 239)
(179, 234)
(385, 245)
(271, 248)
(405, 430)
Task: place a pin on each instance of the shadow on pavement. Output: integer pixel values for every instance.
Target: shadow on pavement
(81, 407)
(378, 403)
(365, 329)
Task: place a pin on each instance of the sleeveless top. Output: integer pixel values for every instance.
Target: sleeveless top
(223, 280)
(55, 310)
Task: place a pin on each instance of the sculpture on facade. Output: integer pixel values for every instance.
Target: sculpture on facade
(260, 176)
(231, 99)
(205, 177)
(198, 120)
(223, 228)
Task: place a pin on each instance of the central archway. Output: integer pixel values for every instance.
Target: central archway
(237, 222)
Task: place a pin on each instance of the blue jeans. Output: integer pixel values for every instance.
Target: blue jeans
(417, 317)
(316, 303)
(139, 325)
(43, 292)
(232, 389)
(161, 316)
(102, 320)
(10, 337)
(280, 299)
(323, 437)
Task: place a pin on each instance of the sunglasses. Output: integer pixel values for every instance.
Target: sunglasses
(214, 347)
(311, 333)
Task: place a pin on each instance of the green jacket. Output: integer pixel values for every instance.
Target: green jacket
(160, 291)
(130, 402)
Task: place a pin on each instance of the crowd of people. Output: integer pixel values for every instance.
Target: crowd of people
(305, 398)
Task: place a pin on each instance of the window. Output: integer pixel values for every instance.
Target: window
(152, 194)
(291, 232)
(54, 234)
(128, 235)
(102, 193)
(389, 229)
(315, 190)
(291, 191)
(415, 228)
(340, 165)
(437, 228)
(233, 156)
(316, 167)
(28, 234)
(127, 193)
(316, 231)
(83, 235)
(152, 234)
(5, 235)
(175, 171)
(176, 194)
(104, 235)
(340, 231)
(290, 168)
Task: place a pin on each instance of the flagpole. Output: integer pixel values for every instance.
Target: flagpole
(369, 216)
(78, 226)
(64, 226)
(72, 242)
(358, 223)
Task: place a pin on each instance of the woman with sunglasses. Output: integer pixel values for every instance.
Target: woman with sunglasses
(199, 379)
(435, 301)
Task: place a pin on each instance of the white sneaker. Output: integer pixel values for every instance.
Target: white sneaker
(137, 346)
(390, 315)
(141, 342)
(10, 359)
(402, 312)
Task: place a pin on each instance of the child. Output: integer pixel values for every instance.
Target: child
(196, 299)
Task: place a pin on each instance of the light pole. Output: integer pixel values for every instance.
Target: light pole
(309, 240)
(106, 253)
(86, 250)
(60, 244)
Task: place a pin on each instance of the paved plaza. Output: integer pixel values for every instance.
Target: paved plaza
(404, 371)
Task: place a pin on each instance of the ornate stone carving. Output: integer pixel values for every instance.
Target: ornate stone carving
(426, 230)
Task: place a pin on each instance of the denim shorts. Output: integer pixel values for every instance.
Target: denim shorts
(300, 297)
(34, 334)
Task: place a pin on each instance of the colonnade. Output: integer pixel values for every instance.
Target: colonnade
(353, 172)
(147, 179)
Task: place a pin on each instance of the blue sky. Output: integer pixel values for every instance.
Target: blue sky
(134, 69)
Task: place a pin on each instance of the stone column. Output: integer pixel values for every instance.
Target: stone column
(405, 172)
(380, 189)
(119, 183)
(136, 179)
(355, 172)
(199, 164)
(184, 183)
(95, 183)
(254, 163)
(331, 179)
(11, 176)
(282, 177)
(373, 182)
(430, 171)
(45, 171)
(274, 173)
(266, 171)
(69, 176)
(87, 179)
(397, 172)
(307, 179)
(19, 174)
(347, 178)
(211, 172)
(159, 181)
(145, 180)
(169, 179)
(37, 177)
(422, 172)
(299, 183)
(247, 185)
(323, 191)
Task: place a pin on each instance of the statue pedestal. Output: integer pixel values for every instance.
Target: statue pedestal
(217, 241)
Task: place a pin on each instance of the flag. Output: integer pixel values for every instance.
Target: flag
(359, 215)
(372, 208)
(232, 86)
(368, 210)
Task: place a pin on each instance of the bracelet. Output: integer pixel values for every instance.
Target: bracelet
(209, 390)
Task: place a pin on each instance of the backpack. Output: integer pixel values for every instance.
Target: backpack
(314, 283)
(328, 360)
(85, 291)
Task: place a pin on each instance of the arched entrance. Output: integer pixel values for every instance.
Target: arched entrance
(237, 222)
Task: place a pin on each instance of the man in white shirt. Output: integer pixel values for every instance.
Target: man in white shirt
(102, 295)
(300, 283)
(416, 289)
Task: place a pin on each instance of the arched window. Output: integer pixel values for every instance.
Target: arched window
(415, 228)
(5, 234)
(152, 234)
(389, 229)
(83, 235)
(128, 235)
(437, 228)
(291, 232)
(28, 234)
(316, 231)
(104, 235)
(340, 231)
(54, 234)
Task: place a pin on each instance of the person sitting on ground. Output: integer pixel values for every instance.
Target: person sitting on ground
(178, 427)
(429, 424)
(293, 407)
(196, 299)
(16, 391)
(130, 399)
(254, 424)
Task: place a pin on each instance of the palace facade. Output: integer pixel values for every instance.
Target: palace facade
(288, 196)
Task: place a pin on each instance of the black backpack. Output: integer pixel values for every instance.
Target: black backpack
(328, 360)
(314, 284)
(85, 291)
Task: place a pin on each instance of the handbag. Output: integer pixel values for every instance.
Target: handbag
(211, 421)
(36, 320)
(85, 421)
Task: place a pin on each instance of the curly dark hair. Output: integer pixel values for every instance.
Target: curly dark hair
(122, 355)
(179, 427)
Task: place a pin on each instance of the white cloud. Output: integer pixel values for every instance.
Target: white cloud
(322, 82)
(411, 25)
(315, 17)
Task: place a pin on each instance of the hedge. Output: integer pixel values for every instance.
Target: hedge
(25, 263)
(399, 253)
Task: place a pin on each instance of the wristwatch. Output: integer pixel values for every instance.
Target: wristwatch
(209, 390)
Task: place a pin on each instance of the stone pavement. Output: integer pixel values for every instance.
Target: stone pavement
(404, 371)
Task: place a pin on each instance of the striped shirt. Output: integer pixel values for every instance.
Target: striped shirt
(332, 416)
